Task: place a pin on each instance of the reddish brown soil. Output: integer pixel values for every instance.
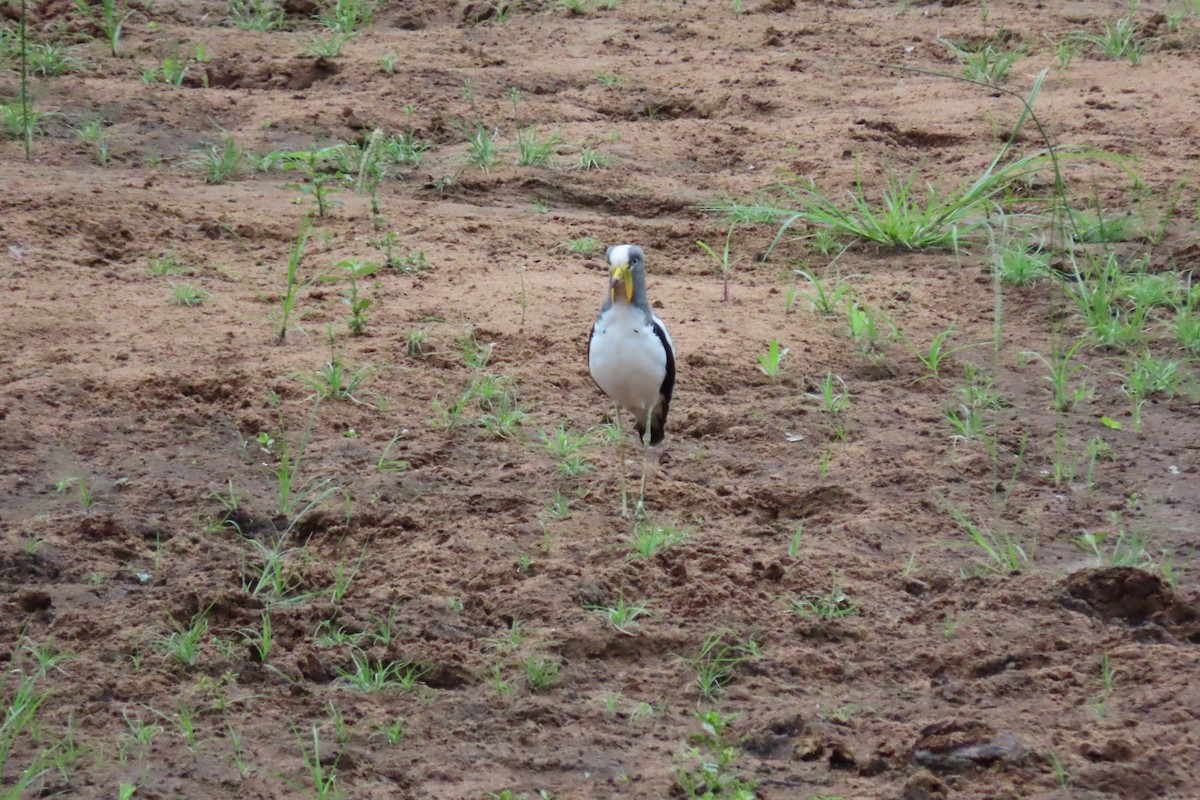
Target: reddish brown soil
(950, 681)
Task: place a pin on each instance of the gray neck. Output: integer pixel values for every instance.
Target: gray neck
(639, 293)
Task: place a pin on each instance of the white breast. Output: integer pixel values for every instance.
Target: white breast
(627, 359)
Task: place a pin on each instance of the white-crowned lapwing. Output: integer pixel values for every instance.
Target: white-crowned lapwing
(631, 356)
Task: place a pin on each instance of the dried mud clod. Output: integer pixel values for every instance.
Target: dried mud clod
(957, 746)
(1133, 596)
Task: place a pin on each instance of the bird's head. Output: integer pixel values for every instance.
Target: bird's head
(623, 261)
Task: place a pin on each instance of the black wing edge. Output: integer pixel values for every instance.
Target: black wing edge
(658, 420)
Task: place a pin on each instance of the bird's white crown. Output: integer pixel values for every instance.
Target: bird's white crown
(618, 255)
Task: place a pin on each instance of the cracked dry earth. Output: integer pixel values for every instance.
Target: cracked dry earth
(130, 424)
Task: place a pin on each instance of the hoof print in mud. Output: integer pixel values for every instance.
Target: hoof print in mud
(793, 738)
(33, 601)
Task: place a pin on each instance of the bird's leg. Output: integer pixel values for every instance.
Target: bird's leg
(621, 465)
(640, 511)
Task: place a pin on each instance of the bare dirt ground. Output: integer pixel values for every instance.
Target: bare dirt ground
(871, 650)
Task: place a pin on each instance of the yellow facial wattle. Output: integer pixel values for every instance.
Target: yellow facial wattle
(622, 275)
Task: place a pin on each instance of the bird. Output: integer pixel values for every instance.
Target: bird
(631, 356)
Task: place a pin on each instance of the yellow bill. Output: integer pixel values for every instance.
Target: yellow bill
(622, 274)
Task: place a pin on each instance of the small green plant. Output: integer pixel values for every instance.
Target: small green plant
(318, 184)
(770, 362)
(255, 15)
(476, 354)
(387, 64)
(500, 684)
(140, 735)
(1152, 375)
(1018, 263)
(267, 162)
(534, 153)
(482, 150)
(905, 217)
(825, 297)
(173, 68)
(368, 675)
(187, 295)
(93, 135)
(862, 325)
(1128, 550)
(21, 121)
(1061, 775)
(352, 272)
(564, 445)
(260, 641)
(501, 10)
(720, 654)
(650, 538)
(497, 400)
(49, 59)
(388, 464)
(583, 245)
(343, 577)
(987, 63)
(448, 416)
(938, 352)
(392, 732)
(86, 498)
(336, 381)
(722, 261)
(322, 772)
(623, 614)
(291, 293)
(416, 342)
(184, 720)
(329, 46)
(1180, 11)
(404, 148)
(46, 657)
(1001, 552)
(576, 8)
(1105, 684)
(1094, 226)
(789, 299)
(1186, 327)
(833, 400)
(560, 507)
(1065, 50)
(182, 642)
(831, 605)
(1061, 372)
(610, 80)
(540, 673)
(21, 717)
(979, 390)
(795, 540)
(110, 20)
(1149, 376)
(1118, 41)
(589, 159)
(222, 161)
(347, 16)
(510, 639)
(292, 498)
(713, 776)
